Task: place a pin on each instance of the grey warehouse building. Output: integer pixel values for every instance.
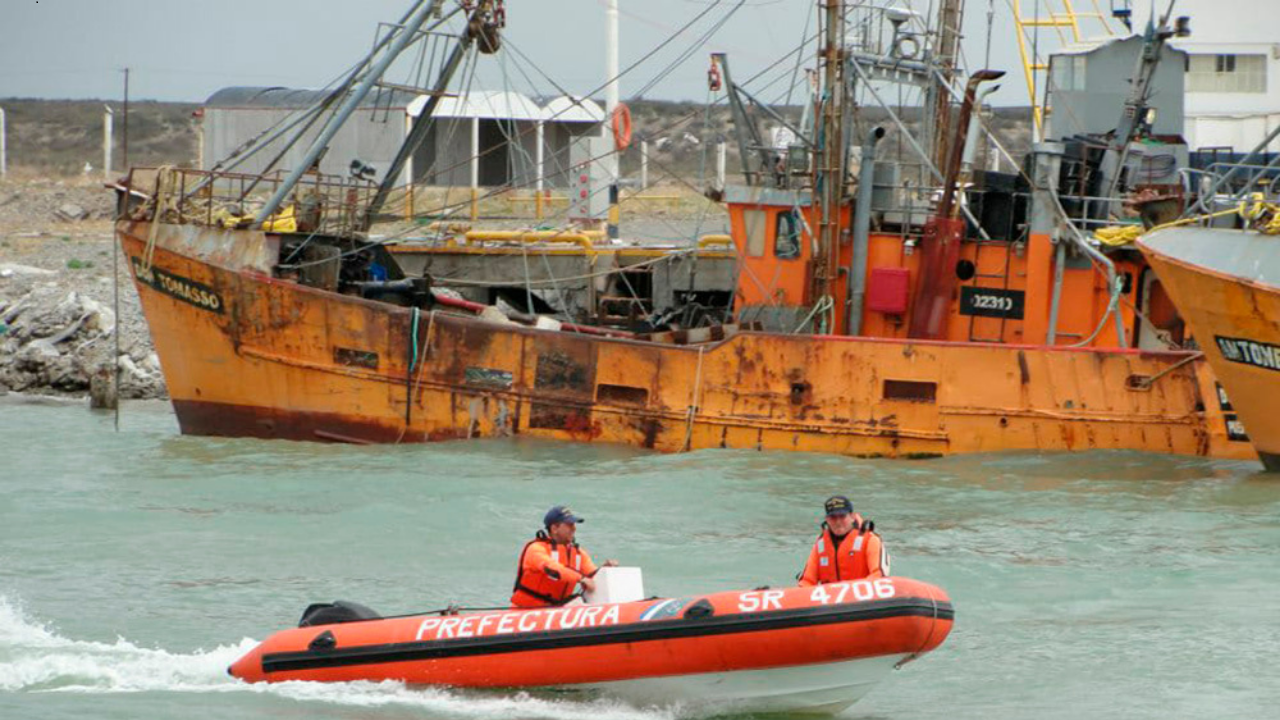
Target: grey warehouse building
(483, 139)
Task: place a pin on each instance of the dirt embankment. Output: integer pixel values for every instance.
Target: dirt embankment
(57, 295)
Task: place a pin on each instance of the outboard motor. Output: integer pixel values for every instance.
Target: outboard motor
(334, 613)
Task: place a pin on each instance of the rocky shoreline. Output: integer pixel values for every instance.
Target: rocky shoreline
(57, 297)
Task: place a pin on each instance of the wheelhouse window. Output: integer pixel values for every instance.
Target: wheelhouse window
(786, 244)
(1227, 73)
(1069, 72)
(754, 223)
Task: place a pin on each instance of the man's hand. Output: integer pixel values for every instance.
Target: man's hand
(588, 584)
(611, 563)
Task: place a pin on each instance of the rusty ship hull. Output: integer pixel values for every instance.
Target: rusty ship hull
(246, 354)
(1227, 284)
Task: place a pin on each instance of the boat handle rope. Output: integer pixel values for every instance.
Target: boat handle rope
(925, 643)
(452, 609)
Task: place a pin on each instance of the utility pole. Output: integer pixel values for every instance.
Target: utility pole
(830, 166)
(126, 119)
(611, 101)
(4, 146)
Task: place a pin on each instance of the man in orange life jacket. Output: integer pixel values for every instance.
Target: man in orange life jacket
(552, 564)
(847, 549)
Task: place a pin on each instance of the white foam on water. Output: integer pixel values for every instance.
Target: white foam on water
(35, 659)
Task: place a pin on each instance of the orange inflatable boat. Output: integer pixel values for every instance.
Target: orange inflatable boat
(814, 649)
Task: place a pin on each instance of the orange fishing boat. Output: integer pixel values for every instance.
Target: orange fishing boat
(924, 335)
(1227, 285)
(815, 649)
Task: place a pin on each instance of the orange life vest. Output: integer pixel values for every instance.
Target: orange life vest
(858, 556)
(548, 572)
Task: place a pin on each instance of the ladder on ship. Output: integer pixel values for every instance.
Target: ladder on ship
(995, 280)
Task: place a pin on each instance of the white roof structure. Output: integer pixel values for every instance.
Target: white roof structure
(507, 105)
(1088, 45)
(574, 109)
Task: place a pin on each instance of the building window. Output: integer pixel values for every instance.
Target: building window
(786, 243)
(1227, 73)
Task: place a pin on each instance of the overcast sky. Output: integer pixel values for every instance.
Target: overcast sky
(187, 49)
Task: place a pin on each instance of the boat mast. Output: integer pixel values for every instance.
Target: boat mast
(829, 168)
(408, 33)
(422, 125)
(950, 15)
(1136, 106)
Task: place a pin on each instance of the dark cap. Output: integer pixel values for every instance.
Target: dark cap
(838, 505)
(560, 514)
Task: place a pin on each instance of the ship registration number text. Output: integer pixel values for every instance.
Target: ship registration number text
(860, 590)
(992, 302)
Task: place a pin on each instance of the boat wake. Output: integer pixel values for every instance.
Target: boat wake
(36, 659)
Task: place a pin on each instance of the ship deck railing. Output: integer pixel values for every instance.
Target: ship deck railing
(320, 204)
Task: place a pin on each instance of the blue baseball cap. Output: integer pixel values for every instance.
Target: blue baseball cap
(838, 505)
(560, 514)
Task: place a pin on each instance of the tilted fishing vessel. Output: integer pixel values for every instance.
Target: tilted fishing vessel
(1226, 282)
(815, 649)
(926, 335)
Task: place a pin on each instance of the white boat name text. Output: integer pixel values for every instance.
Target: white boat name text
(450, 628)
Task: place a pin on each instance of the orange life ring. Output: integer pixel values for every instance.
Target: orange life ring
(622, 127)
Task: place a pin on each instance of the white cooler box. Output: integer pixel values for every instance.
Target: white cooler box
(616, 585)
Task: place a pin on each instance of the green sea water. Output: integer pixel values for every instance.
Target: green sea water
(135, 566)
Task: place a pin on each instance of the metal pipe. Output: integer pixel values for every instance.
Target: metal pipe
(539, 155)
(611, 92)
(721, 160)
(743, 126)
(856, 279)
(475, 168)
(947, 207)
(975, 131)
(426, 116)
(1081, 242)
(915, 146)
(611, 60)
(644, 164)
(352, 102)
(534, 236)
(1059, 261)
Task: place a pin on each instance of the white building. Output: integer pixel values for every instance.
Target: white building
(481, 139)
(1233, 71)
